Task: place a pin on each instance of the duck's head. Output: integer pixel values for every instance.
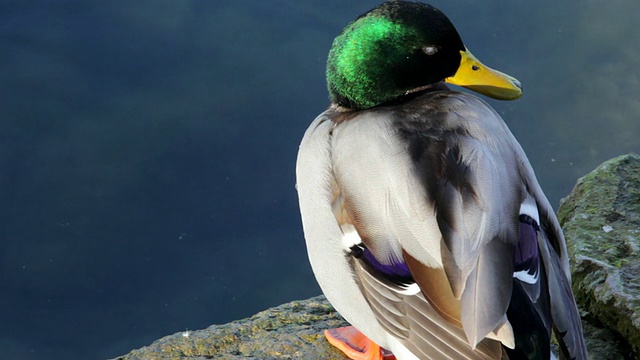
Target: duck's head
(400, 47)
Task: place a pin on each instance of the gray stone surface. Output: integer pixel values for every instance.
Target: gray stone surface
(602, 226)
(601, 221)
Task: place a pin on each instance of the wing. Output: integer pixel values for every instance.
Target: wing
(462, 156)
(564, 313)
(424, 182)
(403, 311)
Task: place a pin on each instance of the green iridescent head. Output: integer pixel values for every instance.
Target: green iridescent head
(396, 48)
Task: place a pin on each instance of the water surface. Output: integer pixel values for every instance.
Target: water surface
(147, 149)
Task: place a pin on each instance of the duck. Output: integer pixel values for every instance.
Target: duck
(425, 225)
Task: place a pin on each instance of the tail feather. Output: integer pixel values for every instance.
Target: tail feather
(564, 312)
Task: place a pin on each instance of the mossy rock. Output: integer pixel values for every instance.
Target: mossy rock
(601, 222)
(290, 331)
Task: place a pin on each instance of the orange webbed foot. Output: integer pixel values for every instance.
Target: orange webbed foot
(356, 345)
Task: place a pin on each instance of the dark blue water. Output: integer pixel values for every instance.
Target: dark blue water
(147, 150)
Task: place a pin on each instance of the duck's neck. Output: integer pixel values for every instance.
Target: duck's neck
(407, 96)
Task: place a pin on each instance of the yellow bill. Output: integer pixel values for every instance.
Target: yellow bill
(474, 75)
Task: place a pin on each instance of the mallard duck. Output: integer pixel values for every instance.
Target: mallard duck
(425, 225)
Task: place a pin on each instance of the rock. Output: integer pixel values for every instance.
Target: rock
(601, 222)
(290, 331)
(295, 331)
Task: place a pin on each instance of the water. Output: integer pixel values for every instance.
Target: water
(147, 149)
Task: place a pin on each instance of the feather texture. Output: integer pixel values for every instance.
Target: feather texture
(427, 231)
(415, 324)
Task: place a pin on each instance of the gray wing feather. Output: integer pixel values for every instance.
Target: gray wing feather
(464, 156)
(553, 250)
(416, 324)
(565, 315)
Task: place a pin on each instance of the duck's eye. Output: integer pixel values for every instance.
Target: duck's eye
(430, 50)
(475, 68)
